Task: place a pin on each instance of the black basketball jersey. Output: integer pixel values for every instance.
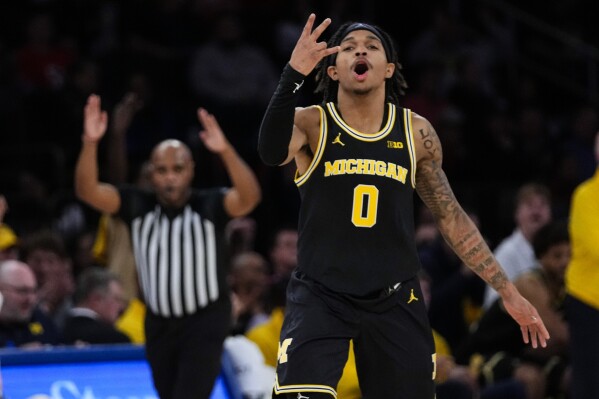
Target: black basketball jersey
(356, 224)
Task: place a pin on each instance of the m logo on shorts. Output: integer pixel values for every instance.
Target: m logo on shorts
(282, 354)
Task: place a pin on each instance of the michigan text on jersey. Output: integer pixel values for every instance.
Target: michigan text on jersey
(365, 167)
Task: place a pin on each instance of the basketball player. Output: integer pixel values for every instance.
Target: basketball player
(359, 158)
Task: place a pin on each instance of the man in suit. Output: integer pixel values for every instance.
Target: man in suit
(98, 302)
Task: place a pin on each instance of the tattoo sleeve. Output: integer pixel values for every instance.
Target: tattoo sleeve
(455, 225)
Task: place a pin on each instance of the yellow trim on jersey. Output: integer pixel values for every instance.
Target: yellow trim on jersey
(299, 180)
(407, 119)
(361, 136)
(303, 388)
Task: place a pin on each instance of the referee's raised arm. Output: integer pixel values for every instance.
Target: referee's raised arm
(101, 196)
(245, 193)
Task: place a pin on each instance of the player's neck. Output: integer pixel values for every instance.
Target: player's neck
(363, 113)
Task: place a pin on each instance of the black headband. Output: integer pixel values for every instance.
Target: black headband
(373, 29)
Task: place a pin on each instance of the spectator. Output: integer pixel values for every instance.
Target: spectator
(582, 282)
(498, 340)
(282, 253)
(44, 252)
(98, 302)
(515, 252)
(241, 234)
(248, 280)
(22, 323)
(180, 249)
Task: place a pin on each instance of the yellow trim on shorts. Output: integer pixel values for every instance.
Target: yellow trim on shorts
(303, 388)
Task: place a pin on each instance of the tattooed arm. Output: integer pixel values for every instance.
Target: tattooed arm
(463, 236)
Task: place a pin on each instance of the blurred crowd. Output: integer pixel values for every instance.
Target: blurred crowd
(517, 141)
(469, 67)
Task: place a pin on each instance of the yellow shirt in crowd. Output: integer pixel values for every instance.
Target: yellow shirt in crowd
(582, 274)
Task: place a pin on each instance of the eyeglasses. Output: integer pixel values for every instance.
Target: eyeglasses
(21, 290)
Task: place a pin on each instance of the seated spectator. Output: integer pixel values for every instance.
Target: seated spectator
(241, 234)
(497, 340)
(248, 280)
(22, 323)
(515, 253)
(98, 303)
(282, 253)
(45, 253)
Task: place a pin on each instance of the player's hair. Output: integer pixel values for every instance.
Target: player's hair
(394, 86)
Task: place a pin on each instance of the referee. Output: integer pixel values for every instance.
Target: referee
(180, 251)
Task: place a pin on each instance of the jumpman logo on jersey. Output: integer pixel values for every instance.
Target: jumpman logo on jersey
(300, 396)
(412, 296)
(338, 140)
(298, 85)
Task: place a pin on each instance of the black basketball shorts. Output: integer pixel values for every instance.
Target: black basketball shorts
(393, 342)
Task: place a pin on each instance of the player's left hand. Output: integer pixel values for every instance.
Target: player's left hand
(212, 135)
(532, 327)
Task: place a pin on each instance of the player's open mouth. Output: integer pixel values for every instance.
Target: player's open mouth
(361, 69)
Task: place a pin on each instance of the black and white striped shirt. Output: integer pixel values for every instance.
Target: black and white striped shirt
(180, 254)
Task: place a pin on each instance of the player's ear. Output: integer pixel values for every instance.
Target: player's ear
(332, 72)
(390, 69)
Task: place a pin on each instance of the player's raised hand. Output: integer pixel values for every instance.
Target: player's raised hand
(212, 135)
(308, 50)
(95, 120)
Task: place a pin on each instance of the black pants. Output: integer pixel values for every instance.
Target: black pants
(184, 353)
(583, 321)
